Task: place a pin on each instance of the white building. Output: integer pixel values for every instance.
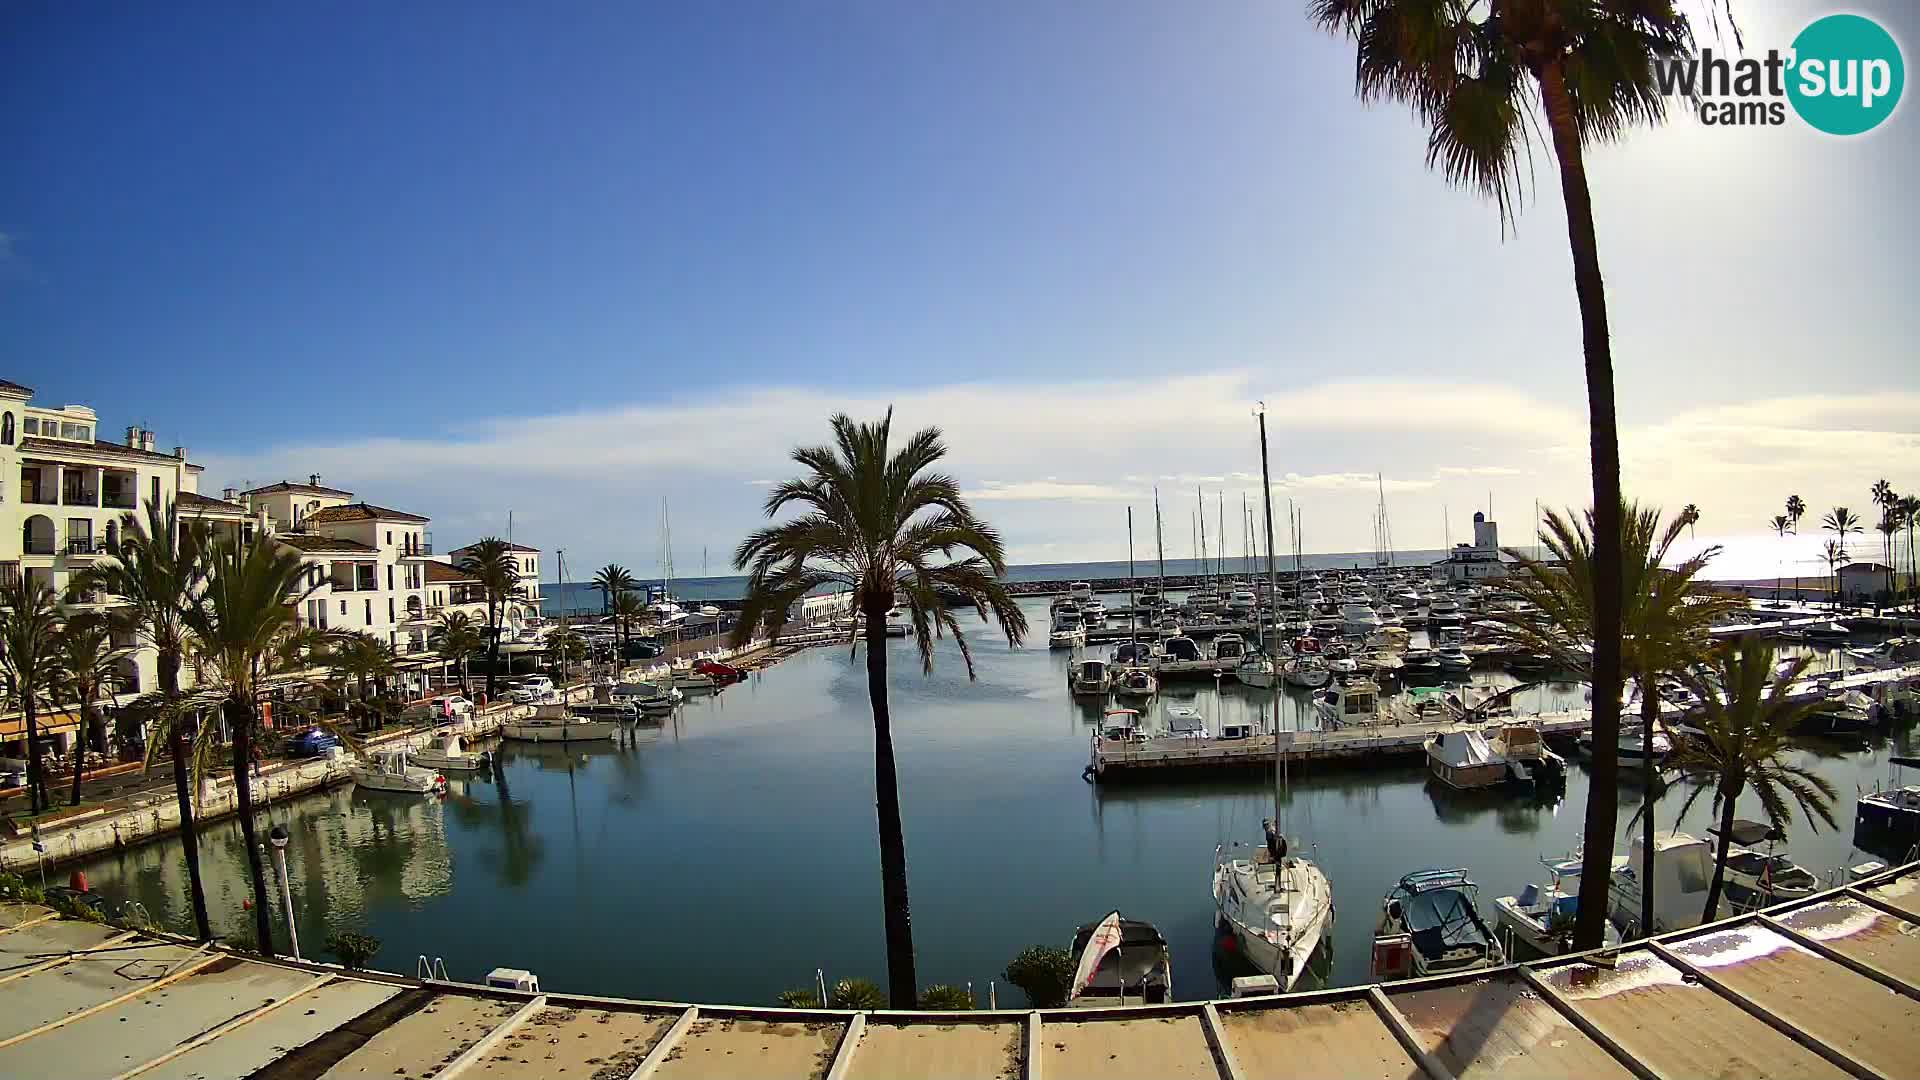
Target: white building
(63, 491)
(1476, 561)
(455, 589)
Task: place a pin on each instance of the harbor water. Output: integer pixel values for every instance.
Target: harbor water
(728, 853)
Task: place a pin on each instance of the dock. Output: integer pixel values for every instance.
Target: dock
(1825, 986)
(1114, 760)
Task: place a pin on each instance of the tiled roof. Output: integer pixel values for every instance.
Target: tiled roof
(510, 547)
(315, 543)
(111, 449)
(15, 388)
(196, 503)
(300, 489)
(440, 573)
(361, 511)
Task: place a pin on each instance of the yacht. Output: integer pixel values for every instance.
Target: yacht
(1307, 671)
(1121, 961)
(553, 723)
(1464, 758)
(1185, 722)
(1091, 678)
(1180, 655)
(1277, 906)
(390, 772)
(1632, 745)
(649, 696)
(688, 676)
(1256, 669)
(1242, 603)
(897, 622)
(1542, 917)
(1348, 704)
(452, 756)
(1888, 818)
(1757, 879)
(1094, 613)
(1080, 590)
(1453, 659)
(1847, 714)
(1069, 631)
(1229, 647)
(1357, 618)
(1430, 924)
(1137, 682)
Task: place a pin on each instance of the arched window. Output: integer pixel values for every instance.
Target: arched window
(6, 430)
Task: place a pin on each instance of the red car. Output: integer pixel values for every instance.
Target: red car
(719, 672)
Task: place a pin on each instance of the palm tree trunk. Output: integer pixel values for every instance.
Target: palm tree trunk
(80, 744)
(36, 773)
(902, 986)
(1603, 794)
(1649, 712)
(1730, 789)
(240, 721)
(183, 795)
(493, 651)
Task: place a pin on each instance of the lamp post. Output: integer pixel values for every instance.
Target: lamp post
(278, 837)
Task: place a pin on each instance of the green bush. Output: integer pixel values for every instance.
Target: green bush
(945, 998)
(856, 994)
(1043, 974)
(802, 998)
(352, 949)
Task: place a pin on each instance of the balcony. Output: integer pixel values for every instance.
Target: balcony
(38, 498)
(117, 499)
(75, 496)
(9, 573)
(85, 547)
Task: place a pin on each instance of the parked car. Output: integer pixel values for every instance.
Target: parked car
(312, 742)
(531, 690)
(438, 710)
(719, 672)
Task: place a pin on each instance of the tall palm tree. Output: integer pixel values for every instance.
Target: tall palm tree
(880, 523)
(1746, 720)
(1889, 527)
(1471, 73)
(157, 568)
(30, 624)
(1796, 509)
(1666, 614)
(629, 611)
(357, 656)
(1909, 508)
(455, 638)
(1780, 526)
(86, 667)
(1841, 522)
(246, 627)
(1836, 555)
(492, 562)
(1690, 516)
(612, 580)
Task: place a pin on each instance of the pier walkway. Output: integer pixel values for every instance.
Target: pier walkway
(1828, 987)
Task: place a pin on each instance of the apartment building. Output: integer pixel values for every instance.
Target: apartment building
(452, 588)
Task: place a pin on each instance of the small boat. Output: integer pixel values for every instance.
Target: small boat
(897, 624)
(1542, 917)
(1419, 663)
(1307, 671)
(390, 772)
(1632, 746)
(1463, 759)
(1095, 613)
(649, 697)
(553, 723)
(1080, 590)
(1453, 659)
(1068, 631)
(687, 675)
(1530, 762)
(1276, 906)
(1827, 631)
(1682, 872)
(1136, 682)
(1181, 655)
(1120, 962)
(1888, 818)
(708, 611)
(1185, 722)
(1850, 713)
(1756, 879)
(1256, 669)
(1229, 647)
(1430, 925)
(1348, 704)
(1090, 678)
(1893, 652)
(452, 756)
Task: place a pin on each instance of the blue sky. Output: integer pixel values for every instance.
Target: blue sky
(464, 258)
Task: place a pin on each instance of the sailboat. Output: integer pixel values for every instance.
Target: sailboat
(1276, 905)
(665, 609)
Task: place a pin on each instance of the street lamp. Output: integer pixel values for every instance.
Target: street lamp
(278, 837)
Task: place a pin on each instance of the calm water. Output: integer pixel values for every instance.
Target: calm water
(725, 856)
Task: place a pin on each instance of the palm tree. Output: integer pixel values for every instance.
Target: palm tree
(1841, 522)
(1746, 720)
(492, 562)
(884, 526)
(1690, 516)
(1780, 526)
(1471, 72)
(1889, 527)
(361, 657)
(1796, 509)
(246, 627)
(612, 580)
(456, 638)
(1836, 555)
(566, 647)
(157, 568)
(86, 667)
(1909, 508)
(629, 611)
(30, 624)
(1666, 615)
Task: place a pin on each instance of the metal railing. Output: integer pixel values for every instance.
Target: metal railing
(39, 498)
(84, 545)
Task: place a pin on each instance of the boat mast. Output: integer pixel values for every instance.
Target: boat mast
(1159, 543)
(1220, 515)
(1266, 500)
(1133, 614)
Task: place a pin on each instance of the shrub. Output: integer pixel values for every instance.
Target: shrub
(801, 998)
(353, 950)
(856, 994)
(1043, 974)
(946, 998)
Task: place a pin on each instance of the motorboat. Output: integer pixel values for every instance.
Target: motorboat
(1276, 906)
(649, 697)
(1757, 879)
(554, 723)
(1307, 671)
(452, 756)
(1463, 758)
(1229, 647)
(1348, 704)
(1094, 613)
(1122, 726)
(709, 611)
(1829, 630)
(1849, 713)
(1242, 603)
(897, 623)
(389, 771)
(1888, 818)
(1682, 874)
(1090, 678)
(1893, 652)
(1256, 669)
(1131, 654)
(1180, 655)
(687, 675)
(1358, 618)
(1632, 749)
(1069, 630)
(1185, 722)
(1393, 639)
(1136, 682)
(1542, 917)
(1430, 924)
(1453, 659)
(1530, 762)
(1120, 961)
(1419, 663)
(1080, 590)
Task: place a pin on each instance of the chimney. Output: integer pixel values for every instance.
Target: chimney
(133, 437)
(313, 479)
(180, 452)
(230, 494)
(146, 441)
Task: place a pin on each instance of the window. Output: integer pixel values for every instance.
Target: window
(6, 430)
(343, 608)
(389, 536)
(155, 497)
(31, 427)
(389, 571)
(390, 609)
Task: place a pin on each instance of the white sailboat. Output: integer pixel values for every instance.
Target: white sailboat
(553, 723)
(1277, 906)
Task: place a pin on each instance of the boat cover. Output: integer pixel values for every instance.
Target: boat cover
(1463, 748)
(1442, 919)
